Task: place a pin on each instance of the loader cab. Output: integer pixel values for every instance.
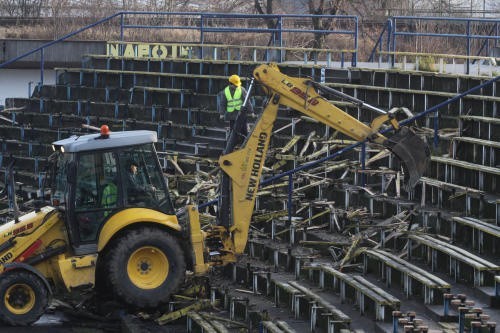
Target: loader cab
(93, 180)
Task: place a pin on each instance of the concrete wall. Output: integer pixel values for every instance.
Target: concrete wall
(62, 54)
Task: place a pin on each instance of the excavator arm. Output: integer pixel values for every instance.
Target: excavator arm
(300, 94)
(244, 166)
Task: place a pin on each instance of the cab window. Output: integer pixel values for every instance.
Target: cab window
(97, 192)
(144, 184)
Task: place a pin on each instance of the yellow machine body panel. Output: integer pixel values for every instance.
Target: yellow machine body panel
(197, 240)
(33, 233)
(127, 217)
(77, 271)
(244, 167)
(26, 224)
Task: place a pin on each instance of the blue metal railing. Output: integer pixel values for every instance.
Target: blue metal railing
(486, 43)
(386, 31)
(284, 24)
(205, 23)
(404, 22)
(468, 35)
(49, 44)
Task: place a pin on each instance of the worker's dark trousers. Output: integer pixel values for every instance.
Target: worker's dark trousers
(238, 132)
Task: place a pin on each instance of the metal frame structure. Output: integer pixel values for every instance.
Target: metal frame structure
(203, 23)
(390, 33)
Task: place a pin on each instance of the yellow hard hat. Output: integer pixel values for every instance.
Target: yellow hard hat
(235, 79)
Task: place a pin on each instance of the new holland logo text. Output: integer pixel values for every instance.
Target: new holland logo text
(254, 174)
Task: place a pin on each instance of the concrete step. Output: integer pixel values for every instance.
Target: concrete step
(454, 197)
(101, 78)
(480, 177)
(479, 151)
(418, 100)
(144, 95)
(26, 108)
(481, 127)
(397, 78)
(214, 67)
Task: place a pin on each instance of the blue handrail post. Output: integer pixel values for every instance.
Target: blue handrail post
(354, 60)
(29, 88)
(436, 128)
(461, 319)
(393, 58)
(389, 34)
(486, 44)
(41, 65)
(468, 47)
(363, 164)
(121, 47)
(497, 34)
(202, 36)
(380, 42)
(446, 303)
(122, 21)
(280, 37)
(290, 192)
(487, 47)
(395, 322)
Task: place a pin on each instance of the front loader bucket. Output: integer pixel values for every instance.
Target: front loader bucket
(412, 151)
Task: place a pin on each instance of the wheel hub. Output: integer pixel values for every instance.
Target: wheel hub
(19, 298)
(144, 267)
(148, 267)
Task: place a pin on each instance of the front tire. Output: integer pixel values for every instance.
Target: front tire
(24, 297)
(145, 266)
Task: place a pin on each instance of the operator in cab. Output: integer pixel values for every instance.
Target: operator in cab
(137, 189)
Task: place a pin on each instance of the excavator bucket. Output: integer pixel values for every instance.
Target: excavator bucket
(412, 151)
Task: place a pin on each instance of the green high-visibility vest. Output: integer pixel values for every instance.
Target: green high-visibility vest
(233, 102)
(109, 197)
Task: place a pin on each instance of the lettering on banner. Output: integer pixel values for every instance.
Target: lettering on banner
(144, 50)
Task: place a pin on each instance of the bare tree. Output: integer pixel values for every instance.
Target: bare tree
(8, 7)
(494, 5)
(23, 8)
(319, 7)
(265, 7)
(58, 11)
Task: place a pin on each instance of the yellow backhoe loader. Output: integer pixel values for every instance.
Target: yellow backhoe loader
(111, 222)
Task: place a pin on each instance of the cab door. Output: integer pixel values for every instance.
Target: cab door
(97, 196)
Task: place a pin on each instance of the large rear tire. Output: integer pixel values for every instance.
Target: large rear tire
(24, 297)
(145, 266)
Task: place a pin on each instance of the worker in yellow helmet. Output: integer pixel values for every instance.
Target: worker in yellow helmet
(231, 107)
